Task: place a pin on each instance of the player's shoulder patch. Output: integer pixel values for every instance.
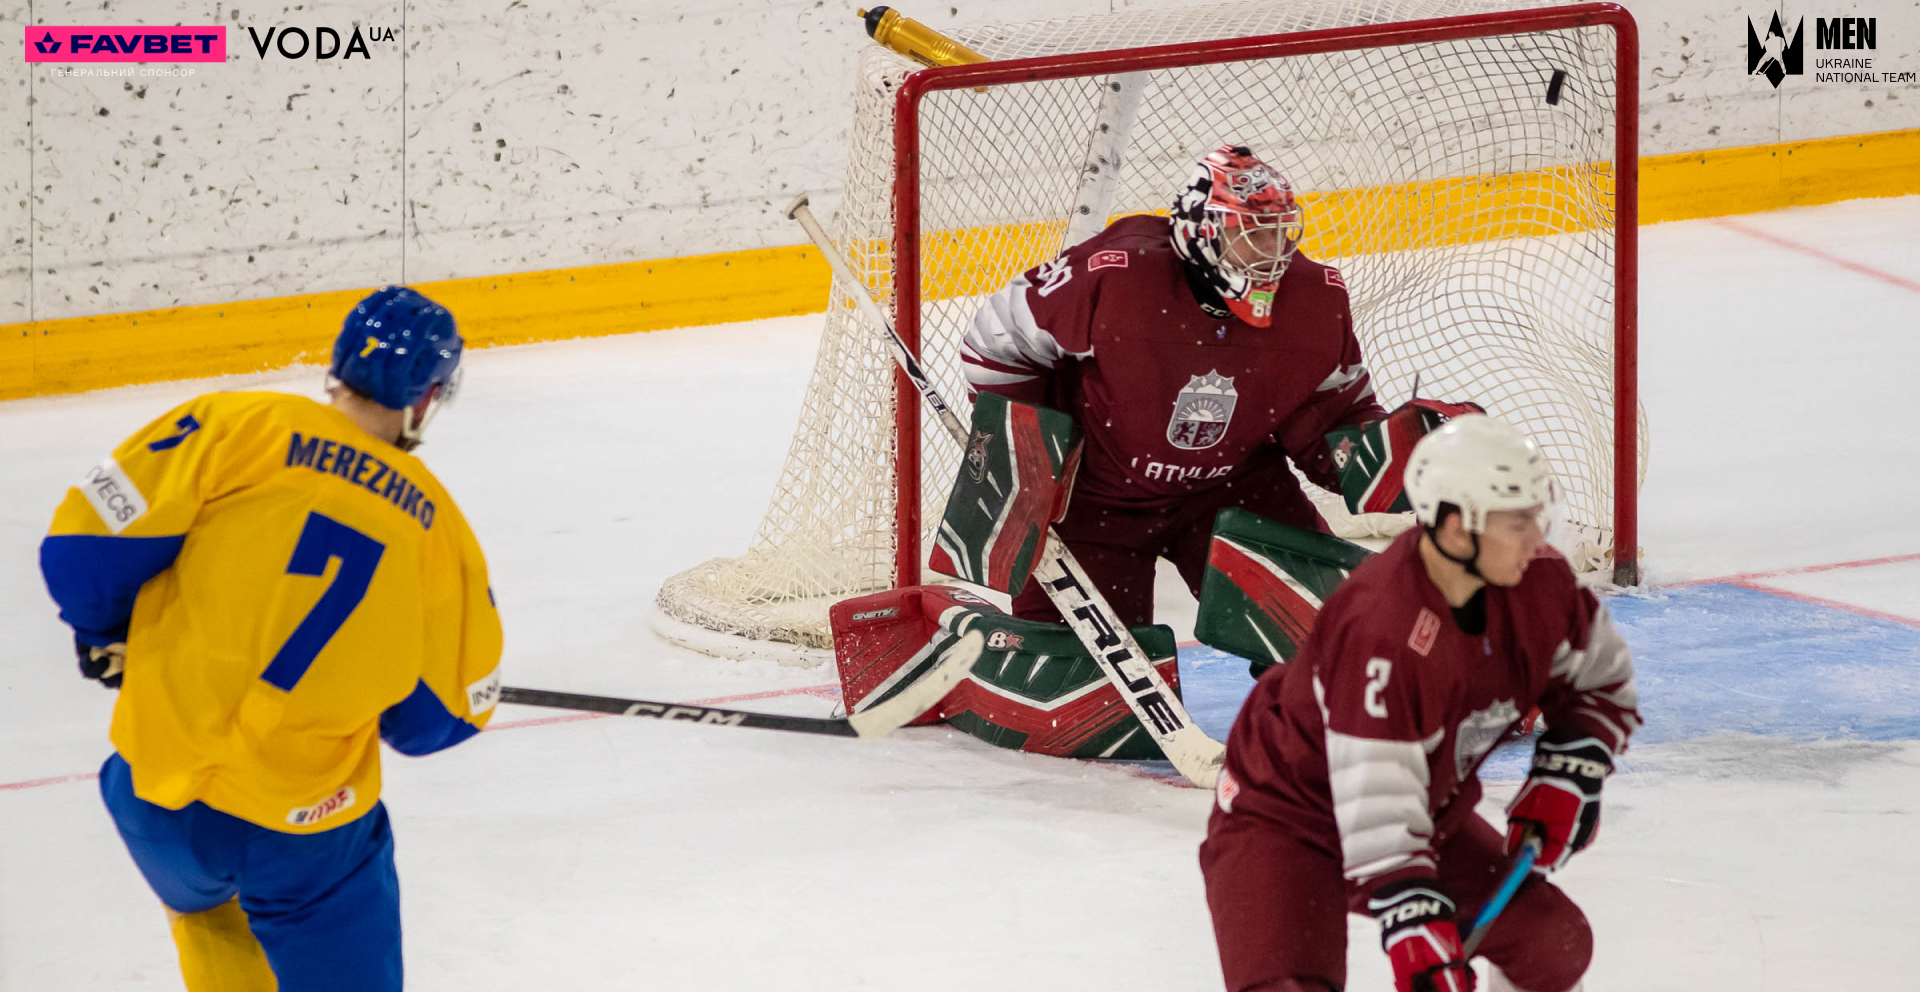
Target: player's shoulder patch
(1108, 258)
(1426, 630)
(1333, 276)
(113, 495)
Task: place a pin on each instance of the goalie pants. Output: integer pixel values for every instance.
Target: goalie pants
(325, 907)
(1117, 544)
(1280, 903)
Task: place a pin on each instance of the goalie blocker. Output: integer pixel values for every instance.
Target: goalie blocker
(1035, 687)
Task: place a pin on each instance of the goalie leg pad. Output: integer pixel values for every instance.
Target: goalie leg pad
(1034, 689)
(1016, 479)
(1248, 606)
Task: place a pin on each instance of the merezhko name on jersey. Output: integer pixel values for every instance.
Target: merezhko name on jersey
(362, 469)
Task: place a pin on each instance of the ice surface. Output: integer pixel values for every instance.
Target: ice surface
(1759, 839)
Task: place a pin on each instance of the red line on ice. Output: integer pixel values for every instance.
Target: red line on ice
(1833, 603)
(1865, 270)
(56, 780)
(1745, 577)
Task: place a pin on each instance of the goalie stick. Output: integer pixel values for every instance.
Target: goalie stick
(1197, 756)
(886, 715)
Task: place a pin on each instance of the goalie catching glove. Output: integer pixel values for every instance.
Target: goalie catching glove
(1560, 803)
(1371, 458)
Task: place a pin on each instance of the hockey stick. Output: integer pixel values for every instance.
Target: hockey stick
(1520, 865)
(884, 717)
(1093, 620)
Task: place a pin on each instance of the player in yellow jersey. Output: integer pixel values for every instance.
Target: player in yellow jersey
(275, 585)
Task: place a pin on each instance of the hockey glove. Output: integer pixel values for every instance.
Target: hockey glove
(1560, 803)
(1371, 458)
(1418, 932)
(103, 664)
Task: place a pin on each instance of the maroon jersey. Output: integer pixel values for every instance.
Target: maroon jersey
(1172, 401)
(1367, 744)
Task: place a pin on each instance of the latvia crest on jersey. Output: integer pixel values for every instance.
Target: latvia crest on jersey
(1202, 411)
(1479, 732)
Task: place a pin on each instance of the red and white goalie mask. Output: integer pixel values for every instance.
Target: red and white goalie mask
(1237, 222)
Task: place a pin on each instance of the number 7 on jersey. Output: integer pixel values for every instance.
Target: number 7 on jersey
(322, 539)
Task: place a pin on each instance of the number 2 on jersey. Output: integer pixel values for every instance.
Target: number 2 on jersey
(1378, 671)
(322, 539)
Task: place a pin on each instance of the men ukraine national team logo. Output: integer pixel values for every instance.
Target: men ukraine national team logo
(1774, 56)
(1202, 411)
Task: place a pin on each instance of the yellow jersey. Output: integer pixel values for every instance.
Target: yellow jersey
(290, 590)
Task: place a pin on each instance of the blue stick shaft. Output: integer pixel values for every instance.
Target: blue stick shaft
(1523, 860)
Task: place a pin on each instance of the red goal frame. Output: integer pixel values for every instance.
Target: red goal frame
(906, 204)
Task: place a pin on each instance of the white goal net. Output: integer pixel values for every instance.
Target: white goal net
(1463, 171)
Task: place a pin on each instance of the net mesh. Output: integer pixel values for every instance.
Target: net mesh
(1473, 221)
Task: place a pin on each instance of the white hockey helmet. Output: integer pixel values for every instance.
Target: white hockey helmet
(1479, 465)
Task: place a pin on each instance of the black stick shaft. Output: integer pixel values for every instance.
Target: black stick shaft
(679, 712)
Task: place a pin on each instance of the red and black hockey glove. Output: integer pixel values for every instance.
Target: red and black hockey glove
(1560, 803)
(1418, 932)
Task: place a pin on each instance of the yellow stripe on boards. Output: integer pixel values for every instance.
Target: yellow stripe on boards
(82, 353)
(1769, 177)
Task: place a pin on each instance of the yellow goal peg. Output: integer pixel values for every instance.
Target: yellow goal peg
(915, 40)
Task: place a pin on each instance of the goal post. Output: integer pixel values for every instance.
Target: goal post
(1468, 165)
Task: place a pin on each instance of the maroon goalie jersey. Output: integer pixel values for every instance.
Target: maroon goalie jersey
(1368, 743)
(1173, 401)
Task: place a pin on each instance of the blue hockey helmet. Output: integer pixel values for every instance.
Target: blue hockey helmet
(395, 347)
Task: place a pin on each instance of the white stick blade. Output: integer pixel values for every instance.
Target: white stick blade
(925, 692)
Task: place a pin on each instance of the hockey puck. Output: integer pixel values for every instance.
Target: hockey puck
(1553, 87)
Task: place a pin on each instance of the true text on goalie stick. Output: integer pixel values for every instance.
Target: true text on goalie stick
(1093, 620)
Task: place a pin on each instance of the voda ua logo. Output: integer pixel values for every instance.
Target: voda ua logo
(323, 43)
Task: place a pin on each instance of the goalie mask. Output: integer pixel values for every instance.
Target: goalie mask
(1236, 224)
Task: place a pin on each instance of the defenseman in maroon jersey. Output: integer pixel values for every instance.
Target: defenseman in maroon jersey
(1198, 353)
(1351, 773)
